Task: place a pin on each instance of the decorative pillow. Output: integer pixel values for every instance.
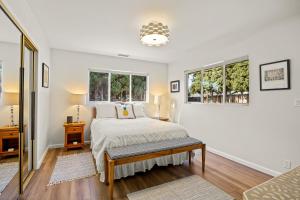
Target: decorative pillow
(125, 111)
(106, 110)
(138, 110)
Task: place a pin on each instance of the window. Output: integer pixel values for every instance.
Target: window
(98, 86)
(237, 82)
(224, 82)
(213, 85)
(111, 86)
(194, 86)
(119, 87)
(139, 88)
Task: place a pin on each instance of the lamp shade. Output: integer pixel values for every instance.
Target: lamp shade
(156, 99)
(77, 99)
(10, 99)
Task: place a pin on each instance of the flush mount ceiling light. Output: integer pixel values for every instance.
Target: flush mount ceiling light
(154, 34)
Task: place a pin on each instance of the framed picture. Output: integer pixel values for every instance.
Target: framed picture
(45, 76)
(275, 75)
(175, 86)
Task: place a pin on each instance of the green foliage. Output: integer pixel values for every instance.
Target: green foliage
(195, 79)
(98, 86)
(138, 88)
(213, 81)
(119, 87)
(237, 77)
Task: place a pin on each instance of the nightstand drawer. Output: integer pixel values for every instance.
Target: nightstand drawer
(73, 129)
(10, 134)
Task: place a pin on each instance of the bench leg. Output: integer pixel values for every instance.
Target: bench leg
(190, 157)
(111, 176)
(203, 157)
(106, 168)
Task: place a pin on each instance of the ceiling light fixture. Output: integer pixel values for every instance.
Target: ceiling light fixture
(154, 34)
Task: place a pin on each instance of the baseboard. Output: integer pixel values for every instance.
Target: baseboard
(42, 158)
(244, 162)
(55, 146)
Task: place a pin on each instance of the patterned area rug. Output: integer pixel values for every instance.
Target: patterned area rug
(7, 172)
(71, 167)
(190, 188)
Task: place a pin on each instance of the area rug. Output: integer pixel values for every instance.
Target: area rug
(189, 188)
(72, 167)
(7, 172)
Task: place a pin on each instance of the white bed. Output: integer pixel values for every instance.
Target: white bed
(111, 132)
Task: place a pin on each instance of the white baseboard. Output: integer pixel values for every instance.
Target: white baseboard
(244, 162)
(55, 146)
(42, 158)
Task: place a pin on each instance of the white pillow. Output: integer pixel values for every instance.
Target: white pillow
(138, 110)
(106, 110)
(125, 111)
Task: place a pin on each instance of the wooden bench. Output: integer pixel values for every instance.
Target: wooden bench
(140, 152)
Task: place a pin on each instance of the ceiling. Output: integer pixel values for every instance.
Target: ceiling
(112, 27)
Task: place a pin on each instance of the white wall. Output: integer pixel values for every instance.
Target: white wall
(266, 132)
(23, 14)
(70, 75)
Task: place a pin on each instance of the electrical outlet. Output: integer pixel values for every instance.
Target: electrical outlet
(297, 102)
(287, 164)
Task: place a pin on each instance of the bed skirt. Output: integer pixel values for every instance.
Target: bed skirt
(130, 169)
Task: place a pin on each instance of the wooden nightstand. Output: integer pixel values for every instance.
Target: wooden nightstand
(9, 138)
(74, 135)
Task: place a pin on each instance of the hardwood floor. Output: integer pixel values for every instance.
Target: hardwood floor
(231, 177)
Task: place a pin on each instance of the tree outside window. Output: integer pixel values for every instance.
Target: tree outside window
(119, 87)
(138, 88)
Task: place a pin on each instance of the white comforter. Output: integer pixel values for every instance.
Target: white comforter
(110, 133)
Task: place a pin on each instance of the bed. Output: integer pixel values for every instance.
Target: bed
(109, 133)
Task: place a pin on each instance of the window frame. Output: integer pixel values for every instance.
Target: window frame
(210, 66)
(109, 83)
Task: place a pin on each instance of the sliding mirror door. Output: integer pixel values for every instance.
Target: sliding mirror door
(10, 62)
(28, 110)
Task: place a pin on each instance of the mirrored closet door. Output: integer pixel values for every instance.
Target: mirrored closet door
(10, 62)
(28, 122)
(18, 56)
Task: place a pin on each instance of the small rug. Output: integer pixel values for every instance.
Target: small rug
(7, 172)
(71, 167)
(189, 188)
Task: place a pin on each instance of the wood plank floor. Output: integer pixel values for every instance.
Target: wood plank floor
(231, 177)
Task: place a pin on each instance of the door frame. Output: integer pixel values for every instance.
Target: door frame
(25, 41)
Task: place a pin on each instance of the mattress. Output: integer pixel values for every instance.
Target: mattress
(110, 133)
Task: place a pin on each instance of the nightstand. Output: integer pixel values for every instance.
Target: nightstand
(165, 119)
(74, 135)
(9, 140)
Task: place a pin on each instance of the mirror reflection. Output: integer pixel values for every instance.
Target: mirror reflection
(27, 153)
(10, 38)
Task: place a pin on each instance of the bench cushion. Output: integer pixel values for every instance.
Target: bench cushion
(152, 147)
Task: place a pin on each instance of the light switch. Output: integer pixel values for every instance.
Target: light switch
(297, 102)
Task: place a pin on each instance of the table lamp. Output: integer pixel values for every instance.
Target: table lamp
(11, 99)
(157, 102)
(77, 99)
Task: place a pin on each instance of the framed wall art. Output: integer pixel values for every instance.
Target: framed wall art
(45, 76)
(275, 75)
(175, 86)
